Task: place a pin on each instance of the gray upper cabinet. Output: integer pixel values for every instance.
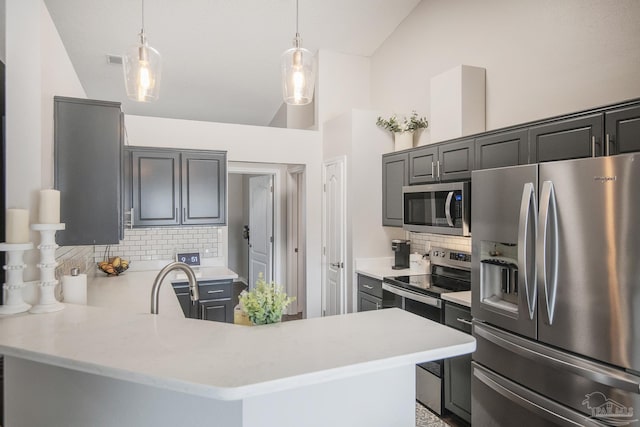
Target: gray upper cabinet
(156, 188)
(567, 139)
(509, 148)
(167, 187)
(622, 130)
(203, 188)
(456, 160)
(443, 162)
(88, 161)
(422, 165)
(395, 175)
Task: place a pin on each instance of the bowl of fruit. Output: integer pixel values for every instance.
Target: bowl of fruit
(114, 266)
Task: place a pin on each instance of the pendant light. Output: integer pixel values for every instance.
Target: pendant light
(142, 66)
(298, 72)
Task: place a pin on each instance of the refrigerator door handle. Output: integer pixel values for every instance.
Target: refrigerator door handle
(547, 248)
(447, 209)
(598, 373)
(527, 208)
(532, 402)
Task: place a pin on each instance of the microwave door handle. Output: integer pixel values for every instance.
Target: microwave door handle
(525, 234)
(447, 209)
(548, 241)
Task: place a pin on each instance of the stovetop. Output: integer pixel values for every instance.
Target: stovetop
(429, 284)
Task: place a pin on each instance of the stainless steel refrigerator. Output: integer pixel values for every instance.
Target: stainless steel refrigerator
(556, 293)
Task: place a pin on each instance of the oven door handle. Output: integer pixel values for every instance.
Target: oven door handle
(447, 209)
(435, 302)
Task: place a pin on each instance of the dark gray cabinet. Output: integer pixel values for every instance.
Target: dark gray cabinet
(203, 188)
(457, 370)
(87, 170)
(156, 188)
(622, 130)
(395, 175)
(453, 161)
(170, 187)
(572, 138)
(369, 293)
(502, 149)
(422, 165)
(215, 304)
(456, 160)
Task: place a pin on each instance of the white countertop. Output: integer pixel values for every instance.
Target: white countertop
(225, 361)
(206, 273)
(379, 268)
(462, 298)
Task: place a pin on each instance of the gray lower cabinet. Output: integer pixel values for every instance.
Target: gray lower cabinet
(215, 304)
(395, 175)
(87, 170)
(369, 293)
(622, 130)
(502, 149)
(452, 161)
(175, 187)
(572, 138)
(457, 370)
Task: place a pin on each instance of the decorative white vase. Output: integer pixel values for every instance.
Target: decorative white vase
(403, 140)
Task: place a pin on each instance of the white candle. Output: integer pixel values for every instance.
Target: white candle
(17, 226)
(49, 207)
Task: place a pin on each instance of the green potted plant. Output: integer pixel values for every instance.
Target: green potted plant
(265, 303)
(403, 132)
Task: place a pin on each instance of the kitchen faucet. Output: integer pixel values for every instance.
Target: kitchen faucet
(191, 277)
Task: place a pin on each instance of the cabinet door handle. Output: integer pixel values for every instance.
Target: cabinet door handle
(432, 166)
(367, 287)
(217, 291)
(377, 306)
(593, 146)
(184, 214)
(465, 321)
(131, 219)
(177, 218)
(607, 146)
(438, 164)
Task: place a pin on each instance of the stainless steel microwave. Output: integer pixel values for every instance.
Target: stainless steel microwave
(437, 208)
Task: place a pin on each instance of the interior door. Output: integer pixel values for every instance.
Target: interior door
(261, 228)
(503, 212)
(588, 269)
(334, 212)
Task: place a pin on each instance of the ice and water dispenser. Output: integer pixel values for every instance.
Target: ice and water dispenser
(499, 275)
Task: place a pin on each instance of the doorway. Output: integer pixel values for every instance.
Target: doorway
(334, 236)
(266, 228)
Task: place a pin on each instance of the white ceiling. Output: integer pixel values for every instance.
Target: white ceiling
(221, 58)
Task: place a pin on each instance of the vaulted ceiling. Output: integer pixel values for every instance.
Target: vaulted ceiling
(221, 58)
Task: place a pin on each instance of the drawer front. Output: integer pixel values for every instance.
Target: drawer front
(457, 317)
(369, 285)
(215, 289)
(367, 302)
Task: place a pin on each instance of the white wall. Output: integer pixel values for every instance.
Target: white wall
(355, 135)
(37, 67)
(343, 83)
(250, 144)
(543, 57)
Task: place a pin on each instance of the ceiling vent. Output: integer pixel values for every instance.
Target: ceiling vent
(114, 59)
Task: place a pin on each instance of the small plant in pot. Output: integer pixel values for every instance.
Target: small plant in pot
(403, 131)
(266, 303)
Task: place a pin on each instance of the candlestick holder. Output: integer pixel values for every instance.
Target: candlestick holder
(15, 282)
(47, 302)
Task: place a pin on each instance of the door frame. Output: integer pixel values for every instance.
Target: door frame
(342, 161)
(296, 236)
(278, 274)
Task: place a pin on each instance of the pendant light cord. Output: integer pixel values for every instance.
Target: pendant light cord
(297, 32)
(143, 15)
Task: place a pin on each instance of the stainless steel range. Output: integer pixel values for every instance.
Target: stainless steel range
(421, 295)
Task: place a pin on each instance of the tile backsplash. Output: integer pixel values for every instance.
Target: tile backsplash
(422, 242)
(74, 256)
(150, 244)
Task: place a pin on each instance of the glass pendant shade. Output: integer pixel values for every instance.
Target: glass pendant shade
(142, 67)
(298, 76)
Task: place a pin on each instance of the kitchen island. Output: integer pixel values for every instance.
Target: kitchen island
(105, 366)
